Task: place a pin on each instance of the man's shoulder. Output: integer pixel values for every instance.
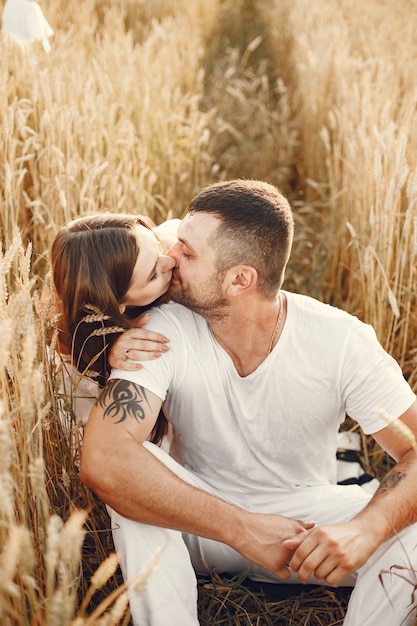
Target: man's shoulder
(304, 303)
(307, 311)
(173, 315)
(330, 323)
(172, 310)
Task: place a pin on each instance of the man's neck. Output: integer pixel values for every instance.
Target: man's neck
(248, 334)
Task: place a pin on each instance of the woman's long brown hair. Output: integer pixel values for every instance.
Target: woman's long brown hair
(93, 258)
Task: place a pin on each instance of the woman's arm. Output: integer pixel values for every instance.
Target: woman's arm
(137, 344)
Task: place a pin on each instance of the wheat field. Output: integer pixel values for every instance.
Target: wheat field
(139, 104)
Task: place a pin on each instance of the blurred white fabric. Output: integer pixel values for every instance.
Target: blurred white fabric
(25, 23)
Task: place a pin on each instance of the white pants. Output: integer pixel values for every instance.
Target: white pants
(170, 597)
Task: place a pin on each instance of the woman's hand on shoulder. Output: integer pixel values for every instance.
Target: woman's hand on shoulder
(137, 344)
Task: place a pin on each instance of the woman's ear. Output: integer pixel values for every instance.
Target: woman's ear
(122, 308)
(240, 279)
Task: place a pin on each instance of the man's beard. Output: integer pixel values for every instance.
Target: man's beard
(206, 299)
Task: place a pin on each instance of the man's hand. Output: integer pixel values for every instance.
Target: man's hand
(262, 541)
(334, 551)
(330, 552)
(137, 344)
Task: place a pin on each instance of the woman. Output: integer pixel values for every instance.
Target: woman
(107, 270)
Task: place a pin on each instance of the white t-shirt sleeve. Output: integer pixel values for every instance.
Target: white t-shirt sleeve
(372, 380)
(154, 379)
(157, 375)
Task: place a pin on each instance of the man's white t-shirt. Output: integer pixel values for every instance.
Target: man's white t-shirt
(276, 428)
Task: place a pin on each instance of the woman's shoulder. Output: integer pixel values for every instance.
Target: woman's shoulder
(168, 232)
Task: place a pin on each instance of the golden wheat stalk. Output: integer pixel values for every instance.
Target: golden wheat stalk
(399, 428)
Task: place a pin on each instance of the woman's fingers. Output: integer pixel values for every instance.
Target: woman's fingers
(137, 344)
(138, 338)
(128, 366)
(146, 354)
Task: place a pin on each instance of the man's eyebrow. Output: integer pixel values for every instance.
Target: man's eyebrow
(185, 243)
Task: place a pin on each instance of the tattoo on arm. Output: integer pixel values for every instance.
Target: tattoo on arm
(122, 399)
(390, 481)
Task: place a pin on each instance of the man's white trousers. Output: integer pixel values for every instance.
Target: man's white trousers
(381, 596)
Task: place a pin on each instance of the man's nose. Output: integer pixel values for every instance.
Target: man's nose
(173, 252)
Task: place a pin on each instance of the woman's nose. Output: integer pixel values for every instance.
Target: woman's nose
(168, 263)
(174, 251)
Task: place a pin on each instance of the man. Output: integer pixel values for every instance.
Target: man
(256, 384)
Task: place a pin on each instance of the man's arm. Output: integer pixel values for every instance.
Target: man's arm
(116, 465)
(334, 551)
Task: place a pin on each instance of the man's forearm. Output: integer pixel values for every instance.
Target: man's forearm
(147, 491)
(120, 469)
(394, 504)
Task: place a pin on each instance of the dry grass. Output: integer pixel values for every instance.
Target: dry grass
(137, 107)
(354, 98)
(240, 602)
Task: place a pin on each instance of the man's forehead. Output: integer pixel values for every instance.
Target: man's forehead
(198, 226)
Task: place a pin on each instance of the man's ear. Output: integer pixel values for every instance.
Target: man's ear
(240, 279)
